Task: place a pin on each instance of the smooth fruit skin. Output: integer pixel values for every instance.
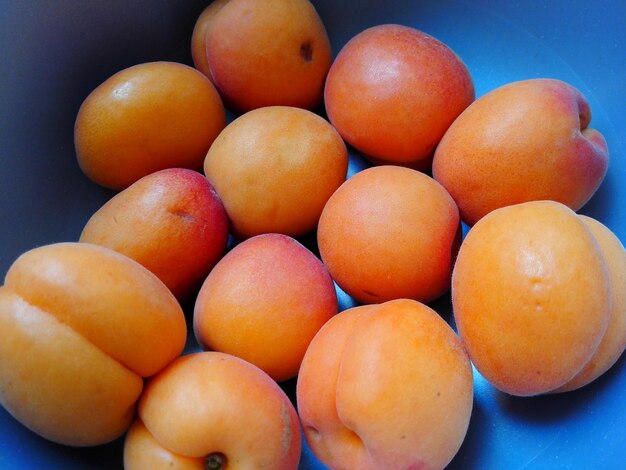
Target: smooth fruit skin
(146, 118)
(83, 325)
(274, 169)
(274, 52)
(393, 91)
(525, 141)
(198, 36)
(143, 451)
(385, 386)
(65, 389)
(211, 402)
(390, 232)
(264, 302)
(531, 296)
(171, 221)
(614, 340)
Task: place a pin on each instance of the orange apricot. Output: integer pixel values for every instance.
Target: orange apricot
(213, 410)
(274, 169)
(83, 325)
(393, 91)
(525, 141)
(385, 386)
(146, 118)
(531, 296)
(264, 302)
(390, 232)
(274, 52)
(171, 221)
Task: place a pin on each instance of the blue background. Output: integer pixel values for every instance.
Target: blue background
(55, 52)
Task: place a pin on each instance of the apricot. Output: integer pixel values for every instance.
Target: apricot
(264, 302)
(614, 340)
(385, 386)
(211, 410)
(390, 232)
(274, 52)
(82, 325)
(531, 296)
(198, 36)
(171, 221)
(393, 91)
(146, 118)
(525, 141)
(274, 169)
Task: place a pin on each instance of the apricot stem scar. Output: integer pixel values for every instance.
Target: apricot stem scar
(306, 51)
(215, 461)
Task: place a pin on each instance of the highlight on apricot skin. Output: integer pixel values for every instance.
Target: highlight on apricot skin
(614, 340)
(393, 91)
(264, 302)
(269, 53)
(274, 168)
(390, 232)
(531, 295)
(524, 141)
(213, 410)
(385, 386)
(94, 324)
(146, 118)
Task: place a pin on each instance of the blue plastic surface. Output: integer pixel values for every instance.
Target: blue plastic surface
(55, 52)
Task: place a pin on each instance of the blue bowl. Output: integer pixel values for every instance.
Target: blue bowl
(55, 53)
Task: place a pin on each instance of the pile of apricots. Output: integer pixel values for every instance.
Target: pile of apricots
(208, 213)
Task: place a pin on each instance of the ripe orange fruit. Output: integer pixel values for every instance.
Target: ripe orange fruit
(146, 118)
(531, 296)
(274, 169)
(390, 232)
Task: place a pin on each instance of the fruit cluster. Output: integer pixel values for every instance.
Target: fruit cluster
(94, 330)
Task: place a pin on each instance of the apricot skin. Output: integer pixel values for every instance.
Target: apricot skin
(211, 402)
(614, 340)
(264, 302)
(390, 232)
(171, 221)
(531, 296)
(94, 323)
(525, 141)
(142, 450)
(274, 169)
(393, 91)
(274, 52)
(146, 118)
(198, 36)
(385, 386)
(41, 390)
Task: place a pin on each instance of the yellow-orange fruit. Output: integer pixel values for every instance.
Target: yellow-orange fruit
(393, 91)
(171, 221)
(198, 36)
(531, 296)
(390, 232)
(614, 340)
(264, 302)
(274, 52)
(385, 386)
(525, 141)
(146, 118)
(213, 410)
(82, 324)
(274, 169)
